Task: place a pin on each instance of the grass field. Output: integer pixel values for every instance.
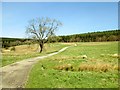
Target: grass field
(27, 51)
(70, 69)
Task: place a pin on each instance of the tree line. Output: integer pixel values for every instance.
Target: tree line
(111, 35)
(8, 42)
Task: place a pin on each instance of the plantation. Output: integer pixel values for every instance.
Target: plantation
(69, 69)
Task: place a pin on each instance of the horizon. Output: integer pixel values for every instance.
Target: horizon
(77, 17)
(63, 35)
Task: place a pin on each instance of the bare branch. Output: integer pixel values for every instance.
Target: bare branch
(43, 28)
(34, 32)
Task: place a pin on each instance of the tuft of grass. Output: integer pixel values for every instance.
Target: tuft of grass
(66, 67)
(115, 56)
(95, 67)
(87, 67)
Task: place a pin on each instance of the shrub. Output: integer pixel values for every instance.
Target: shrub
(12, 49)
(6, 47)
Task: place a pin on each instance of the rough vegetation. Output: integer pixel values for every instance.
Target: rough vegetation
(20, 52)
(69, 70)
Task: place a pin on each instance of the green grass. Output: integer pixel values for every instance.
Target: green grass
(26, 51)
(99, 54)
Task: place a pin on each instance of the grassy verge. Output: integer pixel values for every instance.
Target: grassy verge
(70, 69)
(28, 51)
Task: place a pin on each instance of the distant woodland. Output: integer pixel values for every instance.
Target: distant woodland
(111, 35)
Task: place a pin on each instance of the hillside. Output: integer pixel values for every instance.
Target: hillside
(111, 35)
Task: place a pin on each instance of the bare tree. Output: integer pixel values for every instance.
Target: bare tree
(41, 29)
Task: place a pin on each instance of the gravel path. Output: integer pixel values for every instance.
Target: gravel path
(15, 75)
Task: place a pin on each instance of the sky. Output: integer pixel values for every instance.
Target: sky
(77, 17)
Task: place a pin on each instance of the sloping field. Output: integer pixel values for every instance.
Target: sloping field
(27, 51)
(84, 65)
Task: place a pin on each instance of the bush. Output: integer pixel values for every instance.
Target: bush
(6, 47)
(12, 49)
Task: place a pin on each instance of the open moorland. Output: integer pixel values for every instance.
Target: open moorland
(83, 65)
(20, 52)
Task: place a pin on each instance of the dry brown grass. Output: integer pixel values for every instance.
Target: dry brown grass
(87, 67)
(22, 49)
(93, 44)
(66, 67)
(97, 67)
(116, 67)
(27, 48)
(73, 44)
(63, 58)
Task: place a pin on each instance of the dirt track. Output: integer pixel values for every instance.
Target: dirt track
(15, 75)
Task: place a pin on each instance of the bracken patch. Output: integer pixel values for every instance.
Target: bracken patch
(66, 67)
(87, 67)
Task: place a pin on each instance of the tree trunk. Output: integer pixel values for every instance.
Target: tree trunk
(41, 47)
